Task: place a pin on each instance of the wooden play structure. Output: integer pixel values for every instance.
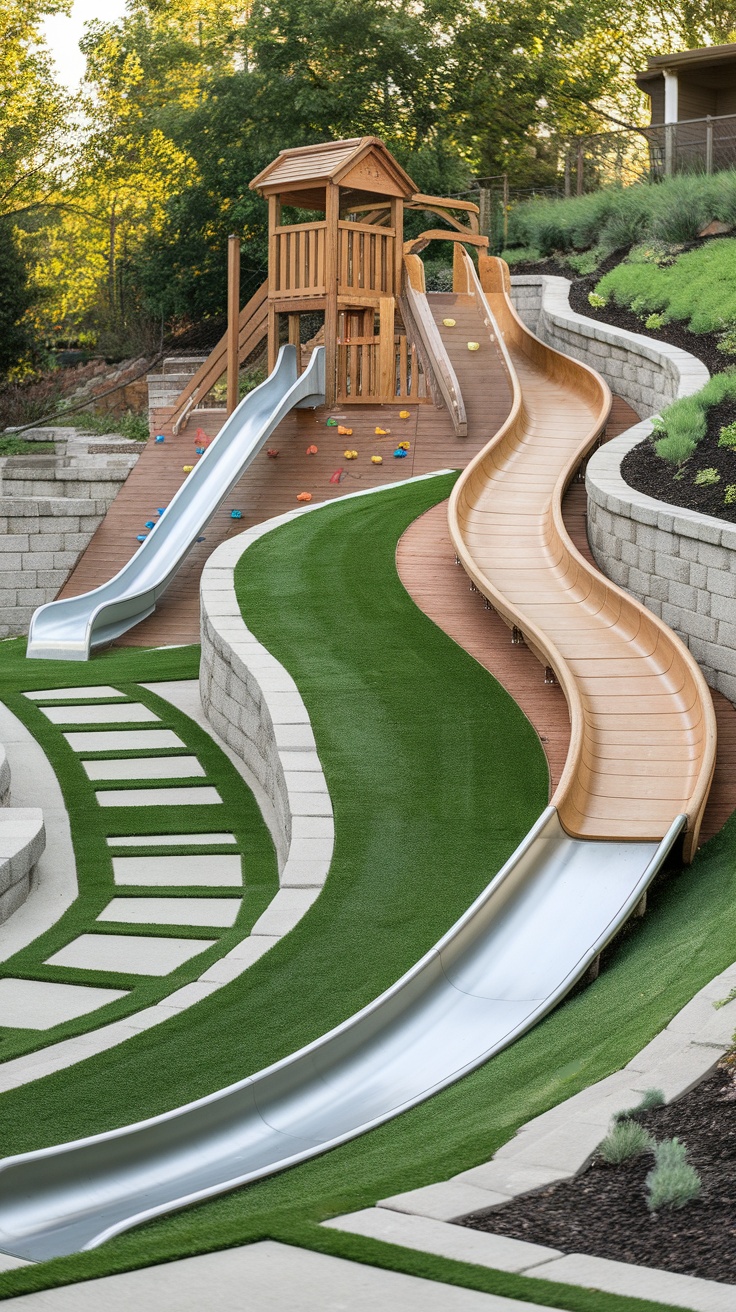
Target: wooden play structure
(346, 267)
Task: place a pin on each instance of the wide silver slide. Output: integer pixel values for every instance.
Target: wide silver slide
(515, 953)
(69, 629)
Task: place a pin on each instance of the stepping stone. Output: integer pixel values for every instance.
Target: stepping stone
(123, 713)
(220, 911)
(128, 954)
(173, 840)
(123, 740)
(170, 871)
(146, 767)
(159, 797)
(72, 694)
(32, 1004)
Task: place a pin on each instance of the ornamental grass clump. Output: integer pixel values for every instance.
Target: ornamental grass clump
(683, 424)
(624, 1140)
(650, 1099)
(672, 1181)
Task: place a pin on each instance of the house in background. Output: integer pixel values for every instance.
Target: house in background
(693, 109)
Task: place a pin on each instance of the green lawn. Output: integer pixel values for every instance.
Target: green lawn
(435, 776)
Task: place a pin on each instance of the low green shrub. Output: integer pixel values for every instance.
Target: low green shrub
(727, 435)
(128, 425)
(683, 424)
(672, 1182)
(727, 342)
(521, 255)
(624, 1140)
(598, 302)
(587, 262)
(698, 288)
(19, 446)
(707, 477)
(730, 500)
(654, 322)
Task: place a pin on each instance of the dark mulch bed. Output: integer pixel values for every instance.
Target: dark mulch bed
(603, 1211)
(644, 470)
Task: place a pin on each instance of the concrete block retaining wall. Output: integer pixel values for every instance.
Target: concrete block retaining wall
(679, 563)
(50, 506)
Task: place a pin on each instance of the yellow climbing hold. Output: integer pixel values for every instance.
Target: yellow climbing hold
(449, 323)
(350, 455)
(404, 446)
(187, 469)
(473, 346)
(376, 460)
(404, 414)
(381, 432)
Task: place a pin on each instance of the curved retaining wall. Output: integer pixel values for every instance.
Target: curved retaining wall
(680, 563)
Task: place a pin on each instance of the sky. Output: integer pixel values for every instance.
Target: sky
(63, 34)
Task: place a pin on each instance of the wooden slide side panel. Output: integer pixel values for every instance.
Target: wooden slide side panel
(643, 734)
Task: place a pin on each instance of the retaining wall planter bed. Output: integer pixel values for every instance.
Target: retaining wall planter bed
(680, 563)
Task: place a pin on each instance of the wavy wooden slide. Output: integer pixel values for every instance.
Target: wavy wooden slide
(643, 737)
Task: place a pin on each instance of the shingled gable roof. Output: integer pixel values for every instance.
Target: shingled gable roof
(360, 163)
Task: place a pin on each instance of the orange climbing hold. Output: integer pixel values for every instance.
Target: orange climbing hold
(344, 432)
(272, 452)
(312, 450)
(304, 496)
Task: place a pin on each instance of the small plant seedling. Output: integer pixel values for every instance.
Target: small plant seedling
(727, 343)
(727, 436)
(654, 322)
(597, 301)
(650, 1099)
(672, 1181)
(730, 497)
(624, 1140)
(707, 477)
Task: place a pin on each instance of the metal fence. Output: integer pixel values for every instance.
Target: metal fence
(701, 145)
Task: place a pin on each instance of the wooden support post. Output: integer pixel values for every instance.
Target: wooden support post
(505, 210)
(397, 223)
(233, 320)
(295, 338)
(332, 217)
(386, 352)
(274, 220)
(459, 276)
(709, 144)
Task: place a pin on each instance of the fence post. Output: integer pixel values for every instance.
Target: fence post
(709, 144)
(505, 210)
(669, 144)
(484, 205)
(233, 320)
(580, 169)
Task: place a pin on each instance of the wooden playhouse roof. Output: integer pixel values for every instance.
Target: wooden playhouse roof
(360, 165)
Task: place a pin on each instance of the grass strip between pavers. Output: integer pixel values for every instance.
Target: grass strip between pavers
(91, 824)
(434, 776)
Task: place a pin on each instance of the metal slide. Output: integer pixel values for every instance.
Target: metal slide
(69, 629)
(513, 955)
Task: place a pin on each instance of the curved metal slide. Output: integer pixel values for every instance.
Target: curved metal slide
(515, 953)
(70, 628)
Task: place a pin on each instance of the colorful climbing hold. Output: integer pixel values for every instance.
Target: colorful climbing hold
(312, 450)
(473, 346)
(399, 453)
(199, 450)
(304, 496)
(150, 523)
(187, 469)
(376, 460)
(331, 423)
(236, 514)
(350, 455)
(337, 476)
(160, 510)
(272, 452)
(141, 537)
(381, 432)
(344, 432)
(159, 438)
(404, 414)
(404, 446)
(200, 539)
(449, 323)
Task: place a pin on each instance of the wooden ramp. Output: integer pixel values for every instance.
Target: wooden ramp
(642, 746)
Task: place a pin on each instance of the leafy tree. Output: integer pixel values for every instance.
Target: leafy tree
(15, 299)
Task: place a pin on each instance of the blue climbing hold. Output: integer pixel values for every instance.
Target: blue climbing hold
(160, 510)
(236, 514)
(200, 539)
(160, 437)
(399, 453)
(150, 523)
(141, 537)
(199, 450)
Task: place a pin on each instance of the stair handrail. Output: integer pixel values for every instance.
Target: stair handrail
(415, 300)
(249, 335)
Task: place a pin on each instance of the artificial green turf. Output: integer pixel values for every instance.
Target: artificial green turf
(91, 824)
(377, 677)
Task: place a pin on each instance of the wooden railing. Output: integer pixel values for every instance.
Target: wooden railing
(418, 316)
(297, 261)
(365, 260)
(252, 329)
(367, 371)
